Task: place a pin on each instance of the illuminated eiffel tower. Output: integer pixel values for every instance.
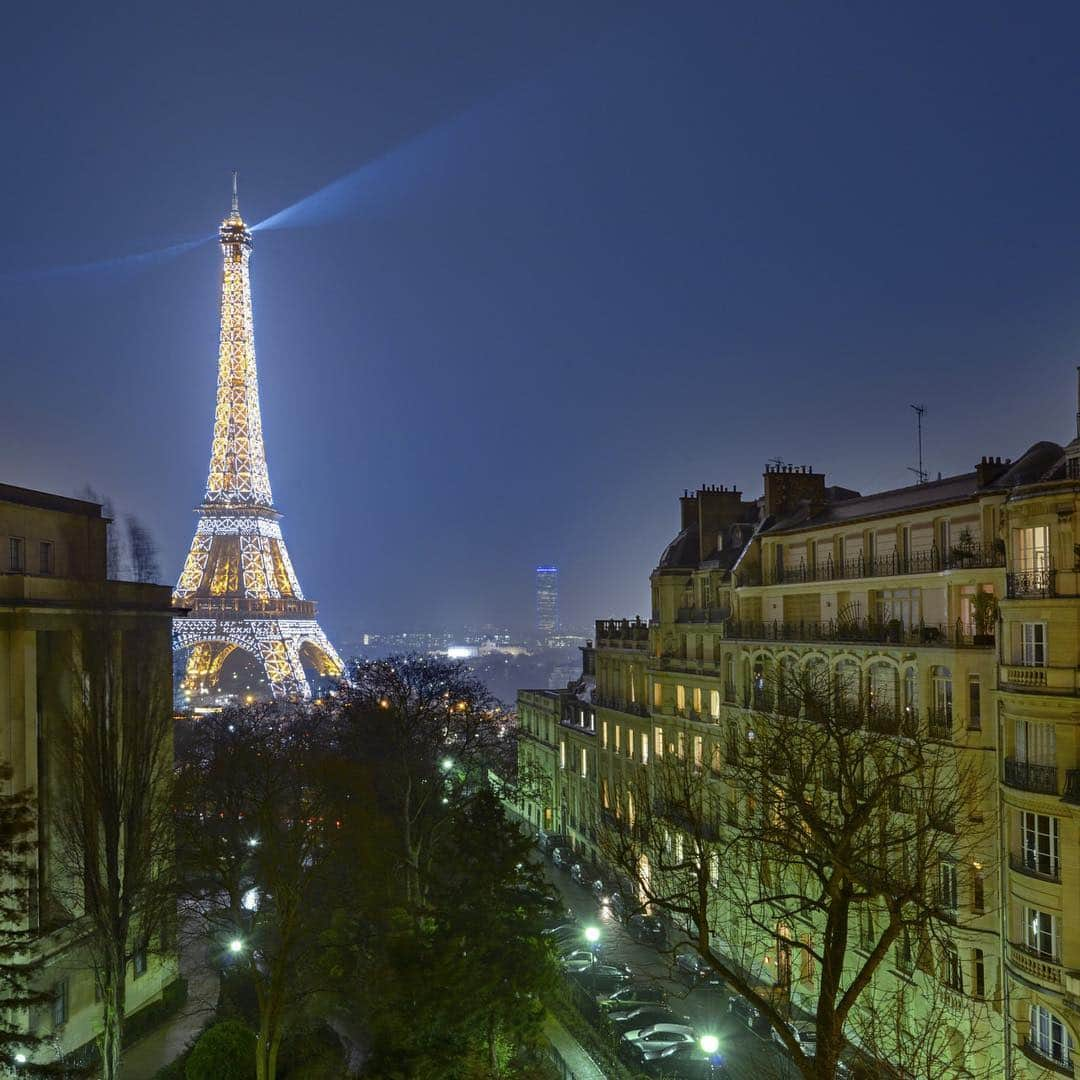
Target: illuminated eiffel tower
(238, 581)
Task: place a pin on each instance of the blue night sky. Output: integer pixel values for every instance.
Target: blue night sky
(587, 255)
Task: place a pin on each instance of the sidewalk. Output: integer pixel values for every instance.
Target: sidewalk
(571, 1052)
(164, 1044)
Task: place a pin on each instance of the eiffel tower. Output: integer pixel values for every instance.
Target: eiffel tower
(238, 582)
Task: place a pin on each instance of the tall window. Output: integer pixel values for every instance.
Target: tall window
(1036, 743)
(603, 735)
(714, 704)
(584, 763)
(911, 691)
(952, 976)
(729, 677)
(979, 967)
(16, 553)
(658, 741)
(948, 891)
(901, 604)
(941, 687)
(1040, 843)
(45, 557)
(1049, 1037)
(680, 698)
(1033, 644)
(974, 703)
(658, 695)
(1041, 933)
(562, 752)
(644, 748)
(883, 688)
(697, 700)
(60, 1003)
(618, 739)
(699, 751)
(1031, 548)
(680, 744)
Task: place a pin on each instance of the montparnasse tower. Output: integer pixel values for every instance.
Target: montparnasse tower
(238, 582)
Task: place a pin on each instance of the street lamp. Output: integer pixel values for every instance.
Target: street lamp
(447, 764)
(20, 1058)
(709, 1044)
(236, 946)
(592, 936)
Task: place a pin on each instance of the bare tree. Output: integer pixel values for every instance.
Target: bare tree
(112, 813)
(256, 835)
(142, 552)
(819, 830)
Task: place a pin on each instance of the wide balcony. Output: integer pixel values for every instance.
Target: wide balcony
(1045, 968)
(633, 708)
(622, 634)
(1038, 678)
(956, 635)
(1027, 776)
(933, 561)
(702, 615)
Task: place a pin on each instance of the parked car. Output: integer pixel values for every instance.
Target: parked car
(547, 841)
(693, 970)
(562, 857)
(601, 890)
(578, 960)
(603, 978)
(686, 1061)
(643, 1016)
(649, 929)
(619, 906)
(562, 930)
(656, 1037)
(581, 873)
(632, 996)
(805, 1032)
(746, 1014)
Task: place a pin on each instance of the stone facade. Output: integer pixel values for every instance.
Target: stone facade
(53, 552)
(957, 602)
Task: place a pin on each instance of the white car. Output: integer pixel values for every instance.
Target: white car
(805, 1032)
(578, 960)
(660, 1036)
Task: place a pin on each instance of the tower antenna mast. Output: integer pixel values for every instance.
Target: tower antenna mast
(235, 192)
(920, 472)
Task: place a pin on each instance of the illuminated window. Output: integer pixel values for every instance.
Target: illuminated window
(562, 753)
(1031, 548)
(681, 744)
(584, 763)
(1040, 843)
(714, 704)
(603, 734)
(1033, 644)
(680, 698)
(658, 695)
(618, 739)
(1049, 1037)
(1041, 933)
(658, 741)
(697, 700)
(699, 752)
(644, 748)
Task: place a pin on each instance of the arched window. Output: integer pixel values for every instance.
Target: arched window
(1049, 1037)
(846, 683)
(883, 687)
(941, 695)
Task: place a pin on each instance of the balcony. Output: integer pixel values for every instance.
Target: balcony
(1045, 968)
(1033, 865)
(933, 561)
(622, 634)
(939, 724)
(1038, 678)
(702, 615)
(861, 631)
(632, 708)
(1023, 584)
(1026, 776)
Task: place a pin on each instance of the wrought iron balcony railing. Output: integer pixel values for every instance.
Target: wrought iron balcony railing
(1037, 583)
(633, 708)
(871, 631)
(702, 615)
(1027, 776)
(896, 564)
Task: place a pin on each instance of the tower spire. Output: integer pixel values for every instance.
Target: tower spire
(235, 193)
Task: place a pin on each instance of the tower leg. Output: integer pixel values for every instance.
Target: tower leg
(204, 665)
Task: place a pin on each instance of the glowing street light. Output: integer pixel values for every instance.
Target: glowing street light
(709, 1044)
(592, 934)
(236, 946)
(20, 1059)
(447, 764)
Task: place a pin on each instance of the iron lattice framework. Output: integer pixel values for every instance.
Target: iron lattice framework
(238, 581)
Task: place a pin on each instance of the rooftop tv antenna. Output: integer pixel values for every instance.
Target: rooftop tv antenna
(920, 473)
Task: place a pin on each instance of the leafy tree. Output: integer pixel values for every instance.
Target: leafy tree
(819, 812)
(256, 833)
(225, 1051)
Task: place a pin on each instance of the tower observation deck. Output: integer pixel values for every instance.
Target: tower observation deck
(238, 581)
